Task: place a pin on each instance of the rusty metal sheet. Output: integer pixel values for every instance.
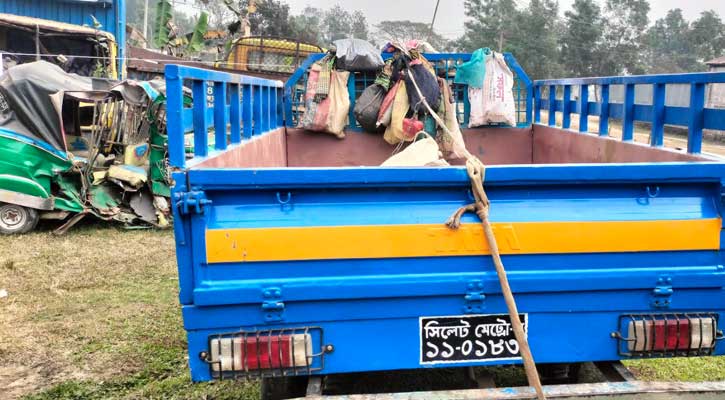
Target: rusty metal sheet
(610, 390)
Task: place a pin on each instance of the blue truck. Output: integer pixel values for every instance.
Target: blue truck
(300, 258)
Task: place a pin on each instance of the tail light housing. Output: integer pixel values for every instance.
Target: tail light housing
(265, 353)
(668, 335)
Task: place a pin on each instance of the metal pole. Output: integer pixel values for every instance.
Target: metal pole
(37, 42)
(435, 13)
(146, 22)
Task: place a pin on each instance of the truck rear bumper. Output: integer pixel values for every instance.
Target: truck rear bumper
(372, 344)
(610, 390)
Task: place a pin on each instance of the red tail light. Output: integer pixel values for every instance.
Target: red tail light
(260, 352)
(668, 334)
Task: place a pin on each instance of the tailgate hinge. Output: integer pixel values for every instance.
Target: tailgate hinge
(272, 305)
(662, 293)
(191, 202)
(474, 297)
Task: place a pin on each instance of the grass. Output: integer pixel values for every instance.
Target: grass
(94, 315)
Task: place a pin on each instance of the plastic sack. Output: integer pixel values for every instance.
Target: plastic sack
(331, 114)
(422, 153)
(367, 108)
(357, 55)
(494, 103)
(394, 133)
(339, 103)
(473, 72)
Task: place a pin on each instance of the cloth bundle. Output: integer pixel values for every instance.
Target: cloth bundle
(327, 103)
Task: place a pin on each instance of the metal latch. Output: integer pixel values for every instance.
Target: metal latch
(474, 297)
(272, 305)
(191, 202)
(662, 293)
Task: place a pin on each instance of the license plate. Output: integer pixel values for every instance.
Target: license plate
(465, 338)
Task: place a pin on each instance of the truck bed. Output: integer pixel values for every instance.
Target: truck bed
(288, 235)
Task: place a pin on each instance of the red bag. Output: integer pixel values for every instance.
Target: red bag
(411, 127)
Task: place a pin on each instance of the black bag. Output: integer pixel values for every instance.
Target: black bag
(367, 108)
(428, 84)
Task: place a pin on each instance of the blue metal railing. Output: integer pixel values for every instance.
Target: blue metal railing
(695, 117)
(445, 65)
(234, 107)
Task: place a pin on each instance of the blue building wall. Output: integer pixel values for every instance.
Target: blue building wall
(110, 13)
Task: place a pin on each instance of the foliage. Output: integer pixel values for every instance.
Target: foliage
(308, 25)
(271, 19)
(196, 43)
(581, 39)
(536, 45)
(675, 45)
(404, 30)
(625, 28)
(359, 27)
(595, 37)
(219, 13)
(339, 23)
(489, 23)
(162, 22)
(707, 36)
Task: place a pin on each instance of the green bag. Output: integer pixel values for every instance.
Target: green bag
(473, 72)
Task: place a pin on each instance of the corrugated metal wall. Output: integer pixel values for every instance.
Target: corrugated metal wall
(110, 13)
(716, 93)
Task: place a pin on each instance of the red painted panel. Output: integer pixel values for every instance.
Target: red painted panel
(494, 146)
(268, 150)
(560, 146)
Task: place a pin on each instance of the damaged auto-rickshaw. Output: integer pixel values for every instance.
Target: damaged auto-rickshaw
(72, 146)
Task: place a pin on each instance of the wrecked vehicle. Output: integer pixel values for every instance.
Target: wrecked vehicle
(72, 146)
(74, 48)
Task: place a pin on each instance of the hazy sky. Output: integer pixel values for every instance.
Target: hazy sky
(450, 14)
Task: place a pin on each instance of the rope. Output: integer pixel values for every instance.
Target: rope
(481, 207)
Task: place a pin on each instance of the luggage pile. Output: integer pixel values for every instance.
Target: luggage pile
(407, 101)
(326, 98)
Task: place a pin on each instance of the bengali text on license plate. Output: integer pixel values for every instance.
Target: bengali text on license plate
(468, 338)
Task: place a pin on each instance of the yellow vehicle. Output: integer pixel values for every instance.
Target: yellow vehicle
(77, 49)
(267, 54)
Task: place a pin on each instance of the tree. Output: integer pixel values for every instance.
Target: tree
(669, 48)
(404, 30)
(535, 43)
(307, 26)
(707, 36)
(339, 23)
(336, 24)
(359, 27)
(219, 14)
(489, 23)
(581, 41)
(271, 19)
(625, 28)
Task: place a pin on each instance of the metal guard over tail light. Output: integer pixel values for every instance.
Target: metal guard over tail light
(667, 335)
(266, 353)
